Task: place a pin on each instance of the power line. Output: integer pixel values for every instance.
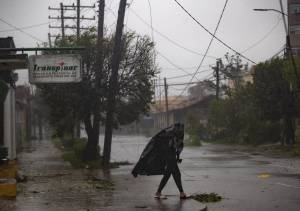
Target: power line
(28, 27)
(129, 5)
(264, 37)
(19, 29)
(182, 84)
(208, 47)
(176, 89)
(170, 62)
(207, 77)
(167, 59)
(282, 49)
(187, 68)
(247, 49)
(186, 75)
(189, 14)
(169, 39)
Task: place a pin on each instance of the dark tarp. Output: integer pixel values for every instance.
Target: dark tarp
(153, 157)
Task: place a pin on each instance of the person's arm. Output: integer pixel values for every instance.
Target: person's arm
(179, 149)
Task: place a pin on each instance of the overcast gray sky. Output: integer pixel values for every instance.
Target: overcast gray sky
(240, 28)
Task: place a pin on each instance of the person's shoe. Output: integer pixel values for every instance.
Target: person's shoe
(159, 196)
(184, 196)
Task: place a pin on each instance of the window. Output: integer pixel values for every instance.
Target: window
(294, 9)
(294, 29)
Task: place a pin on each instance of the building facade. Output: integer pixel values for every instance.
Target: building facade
(294, 25)
(9, 61)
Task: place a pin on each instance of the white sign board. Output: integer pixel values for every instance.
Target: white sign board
(60, 68)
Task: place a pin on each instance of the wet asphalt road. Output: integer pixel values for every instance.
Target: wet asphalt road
(247, 181)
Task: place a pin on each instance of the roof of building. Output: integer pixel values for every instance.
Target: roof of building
(176, 102)
(7, 42)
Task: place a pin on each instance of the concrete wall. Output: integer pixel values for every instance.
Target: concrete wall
(10, 124)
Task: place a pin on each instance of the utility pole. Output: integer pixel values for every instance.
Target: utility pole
(62, 17)
(100, 57)
(160, 108)
(113, 84)
(283, 17)
(217, 73)
(49, 40)
(62, 21)
(78, 20)
(166, 100)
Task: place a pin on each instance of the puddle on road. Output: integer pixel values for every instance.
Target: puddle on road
(220, 158)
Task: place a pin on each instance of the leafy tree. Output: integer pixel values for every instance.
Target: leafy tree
(275, 97)
(87, 100)
(257, 113)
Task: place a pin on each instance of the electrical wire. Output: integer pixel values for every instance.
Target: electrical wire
(187, 68)
(170, 62)
(176, 89)
(207, 77)
(131, 3)
(169, 39)
(19, 29)
(28, 27)
(187, 75)
(247, 49)
(275, 55)
(264, 37)
(226, 45)
(209, 45)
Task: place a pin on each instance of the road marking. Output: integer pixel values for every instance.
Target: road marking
(289, 186)
(264, 176)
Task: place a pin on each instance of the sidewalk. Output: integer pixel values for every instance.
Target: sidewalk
(53, 185)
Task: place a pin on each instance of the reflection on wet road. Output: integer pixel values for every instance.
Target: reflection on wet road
(226, 170)
(246, 181)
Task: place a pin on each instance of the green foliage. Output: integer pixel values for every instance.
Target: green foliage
(73, 151)
(262, 112)
(195, 130)
(87, 100)
(193, 140)
(296, 150)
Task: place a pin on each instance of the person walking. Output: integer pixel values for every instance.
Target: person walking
(160, 157)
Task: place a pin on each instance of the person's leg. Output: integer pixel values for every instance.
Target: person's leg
(164, 181)
(177, 176)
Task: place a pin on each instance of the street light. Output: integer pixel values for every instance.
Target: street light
(288, 41)
(278, 11)
(264, 10)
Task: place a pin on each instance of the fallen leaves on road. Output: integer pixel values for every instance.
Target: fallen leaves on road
(207, 197)
(97, 184)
